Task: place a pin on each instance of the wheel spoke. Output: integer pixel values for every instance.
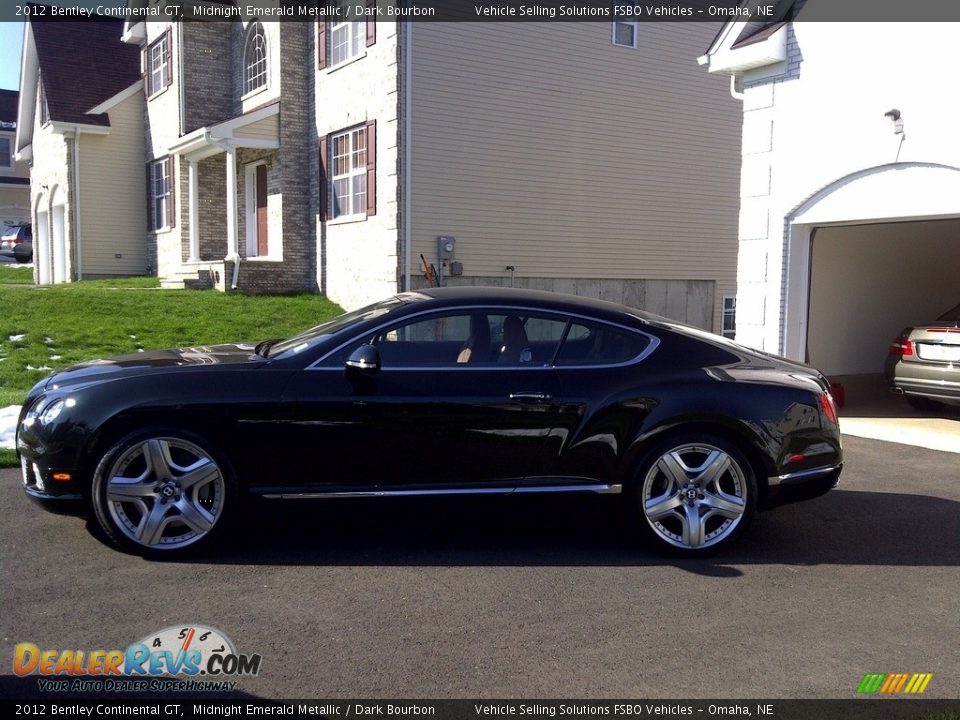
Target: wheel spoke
(713, 468)
(199, 474)
(692, 526)
(659, 507)
(673, 467)
(195, 516)
(122, 489)
(157, 454)
(730, 506)
(152, 525)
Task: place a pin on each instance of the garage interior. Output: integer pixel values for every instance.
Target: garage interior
(867, 283)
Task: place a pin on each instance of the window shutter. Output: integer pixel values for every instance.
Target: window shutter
(149, 197)
(145, 67)
(372, 23)
(172, 200)
(168, 52)
(321, 44)
(324, 183)
(372, 167)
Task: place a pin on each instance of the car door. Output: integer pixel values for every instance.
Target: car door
(458, 401)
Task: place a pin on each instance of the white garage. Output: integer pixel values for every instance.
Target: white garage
(867, 282)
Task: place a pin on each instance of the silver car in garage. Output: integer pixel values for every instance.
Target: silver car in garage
(924, 362)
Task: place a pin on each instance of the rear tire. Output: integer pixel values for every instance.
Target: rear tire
(693, 494)
(162, 493)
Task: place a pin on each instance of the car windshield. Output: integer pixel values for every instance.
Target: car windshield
(952, 315)
(314, 335)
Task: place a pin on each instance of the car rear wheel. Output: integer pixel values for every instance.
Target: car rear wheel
(159, 493)
(695, 494)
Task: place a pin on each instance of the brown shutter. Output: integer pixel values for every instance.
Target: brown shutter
(172, 204)
(372, 23)
(263, 248)
(372, 167)
(321, 44)
(149, 197)
(168, 78)
(324, 183)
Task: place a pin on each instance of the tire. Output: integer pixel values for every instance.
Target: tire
(162, 493)
(693, 494)
(923, 404)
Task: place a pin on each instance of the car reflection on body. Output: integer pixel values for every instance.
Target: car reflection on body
(450, 390)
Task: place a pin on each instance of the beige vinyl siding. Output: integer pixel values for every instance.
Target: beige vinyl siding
(546, 147)
(266, 129)
(113, 195)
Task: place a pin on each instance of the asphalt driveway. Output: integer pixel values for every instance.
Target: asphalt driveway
(528, 597)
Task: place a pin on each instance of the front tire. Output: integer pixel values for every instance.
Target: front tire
(695, 494)
(162, 493)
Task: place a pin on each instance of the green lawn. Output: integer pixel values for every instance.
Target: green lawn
(45, 329)
(10, 273)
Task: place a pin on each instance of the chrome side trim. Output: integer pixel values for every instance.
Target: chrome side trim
(647, 351)
(801, 475)
(599, 489)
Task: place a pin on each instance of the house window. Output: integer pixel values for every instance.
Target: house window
(729, 316)
(255, 60)
(625, 33)
(157, 65)
(6, 156)
(160, 194)
(352, 171)
(347, 40)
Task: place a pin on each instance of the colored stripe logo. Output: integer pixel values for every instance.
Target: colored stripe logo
(894, 683)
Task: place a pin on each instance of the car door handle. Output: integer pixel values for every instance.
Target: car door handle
(530, 396)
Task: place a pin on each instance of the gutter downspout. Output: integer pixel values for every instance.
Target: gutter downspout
(180, 89)
(75, 209)
(407, 142)
(734, 93)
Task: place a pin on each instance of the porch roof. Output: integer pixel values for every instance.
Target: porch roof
(258, 128)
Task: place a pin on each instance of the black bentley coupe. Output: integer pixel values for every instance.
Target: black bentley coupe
(435, 392)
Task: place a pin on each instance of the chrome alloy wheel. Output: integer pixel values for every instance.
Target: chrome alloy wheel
(164, 493)
(694, 495)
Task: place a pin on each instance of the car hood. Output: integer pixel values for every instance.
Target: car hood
(153, 360)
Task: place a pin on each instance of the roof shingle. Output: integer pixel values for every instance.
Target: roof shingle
(83, 63)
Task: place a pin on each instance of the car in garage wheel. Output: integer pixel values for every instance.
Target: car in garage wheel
(923, 363)
(466, 391)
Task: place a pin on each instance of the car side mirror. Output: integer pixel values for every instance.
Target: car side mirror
(365, 360)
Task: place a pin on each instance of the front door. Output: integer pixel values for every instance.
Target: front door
(458, 403)
(261, 210)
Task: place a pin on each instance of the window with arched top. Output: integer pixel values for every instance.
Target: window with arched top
(255, 59)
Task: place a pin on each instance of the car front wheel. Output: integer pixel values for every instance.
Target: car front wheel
(695, 494)
(157, 493)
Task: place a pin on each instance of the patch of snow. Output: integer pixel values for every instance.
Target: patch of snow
(42, 367)
(8, 425)
(16, 338)
(56, 357)
(48, 340)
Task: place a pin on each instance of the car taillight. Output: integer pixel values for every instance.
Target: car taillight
(901, 347)
(829, 409)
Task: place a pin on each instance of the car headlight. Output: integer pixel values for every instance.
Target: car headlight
(52, 411)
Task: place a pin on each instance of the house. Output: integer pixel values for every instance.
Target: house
(80, 128)
(593, 158)
(14, 176)
(850, 188)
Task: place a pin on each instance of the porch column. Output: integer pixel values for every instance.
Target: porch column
(232, 254)
(194, 192)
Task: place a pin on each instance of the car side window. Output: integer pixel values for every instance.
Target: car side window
(465, 338)
(588, 344)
